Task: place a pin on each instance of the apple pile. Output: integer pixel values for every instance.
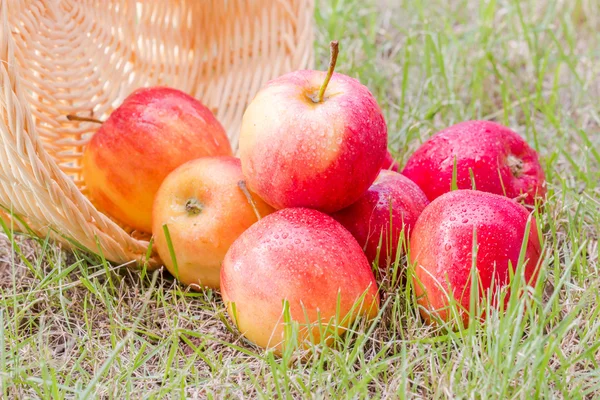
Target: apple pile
(293, 231)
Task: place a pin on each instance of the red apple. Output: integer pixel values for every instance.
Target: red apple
(309, 142)
(205, 211)
(302, 256)
(441, 249)
(384, 214)
(498, 159)
(153, 132)
(390, 163)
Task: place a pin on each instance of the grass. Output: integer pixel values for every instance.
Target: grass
(74, 326)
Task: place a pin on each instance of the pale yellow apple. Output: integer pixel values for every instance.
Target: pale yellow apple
(205, 210)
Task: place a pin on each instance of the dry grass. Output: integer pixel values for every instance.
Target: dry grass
(75, 326)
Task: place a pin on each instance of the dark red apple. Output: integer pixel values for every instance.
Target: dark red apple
(495, 157)
(390, 163)
(307, 258)
(441, 250)
(386, 212)
(312, 139)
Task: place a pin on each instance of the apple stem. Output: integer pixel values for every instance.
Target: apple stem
(244, 189)
(193, 206)
(334, 51)
(521, 197)
(72, 117)
(516, 165)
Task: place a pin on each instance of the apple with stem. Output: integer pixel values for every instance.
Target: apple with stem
(312, 139)
(482, 155)
(205, 207)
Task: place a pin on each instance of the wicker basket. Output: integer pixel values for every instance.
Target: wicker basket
(60, 57)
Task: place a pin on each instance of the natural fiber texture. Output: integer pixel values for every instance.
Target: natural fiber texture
(60, 57)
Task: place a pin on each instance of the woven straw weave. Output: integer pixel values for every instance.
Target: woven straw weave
(61, 57)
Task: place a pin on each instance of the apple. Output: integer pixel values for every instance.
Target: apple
(384, 215)
(497, 159)
(390, 163)
(153, 132)
(306, 258)
(312, 139)
(205, 210)
(441, 249)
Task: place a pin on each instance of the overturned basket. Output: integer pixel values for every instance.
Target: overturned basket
(61, 57)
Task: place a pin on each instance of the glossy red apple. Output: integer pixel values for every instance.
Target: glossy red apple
(498, 160)
(153, 132)
(312, 139)
(302, 256)
(441, 249)
(390, 163)
(205, 211)
(383, 215)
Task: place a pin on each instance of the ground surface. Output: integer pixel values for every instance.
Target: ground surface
(72, 326)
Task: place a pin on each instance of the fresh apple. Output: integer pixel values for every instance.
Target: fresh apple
(312, 139)
(205, 209)
(153, 132)
(488, 156)
(390, 163)
(384, 215)
(441, 250)
(306, 258)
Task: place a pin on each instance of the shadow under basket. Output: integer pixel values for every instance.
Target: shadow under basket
(61, 57)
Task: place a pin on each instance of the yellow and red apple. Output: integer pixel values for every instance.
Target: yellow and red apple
(312, 139)
(153, 132)
(205, 211)
(309, 260)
